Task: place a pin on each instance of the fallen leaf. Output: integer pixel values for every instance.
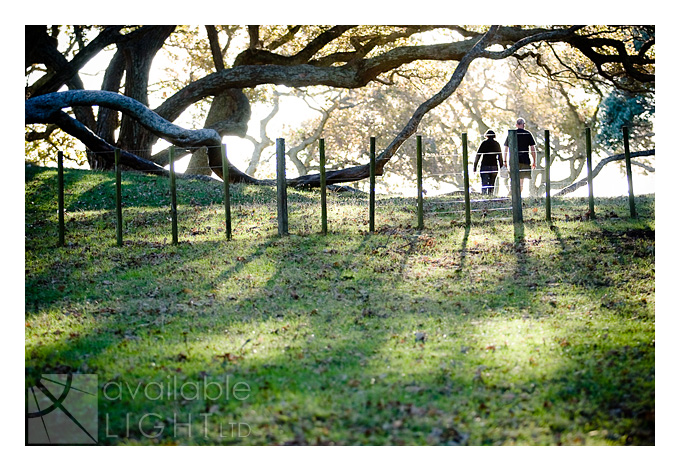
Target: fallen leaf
(230, 357)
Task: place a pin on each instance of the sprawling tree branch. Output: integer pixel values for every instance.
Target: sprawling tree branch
(48, 109)
(309, 66)
(612, 158)
(42, 109)
(257, 56)
(478, 50)
(78, 130)
(282, 70)
(632, 64)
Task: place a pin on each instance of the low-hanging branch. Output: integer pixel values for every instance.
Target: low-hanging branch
(45, 108)
(48, 109)
(612, 158)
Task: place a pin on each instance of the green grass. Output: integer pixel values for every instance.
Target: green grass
(452, 335)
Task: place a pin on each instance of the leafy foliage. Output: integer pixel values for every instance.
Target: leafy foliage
(624, 109)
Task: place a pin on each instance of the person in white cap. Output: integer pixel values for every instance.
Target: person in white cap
(525, 145)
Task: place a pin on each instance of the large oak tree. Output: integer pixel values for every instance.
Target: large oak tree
(346, 57)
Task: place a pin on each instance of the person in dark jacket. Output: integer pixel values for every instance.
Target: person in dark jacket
(490, 154)
(525, 145)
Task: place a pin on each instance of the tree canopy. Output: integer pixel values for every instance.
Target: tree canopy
(227, 69)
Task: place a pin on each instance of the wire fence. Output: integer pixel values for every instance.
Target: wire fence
(489, 205)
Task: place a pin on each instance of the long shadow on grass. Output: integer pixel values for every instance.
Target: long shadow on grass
(602, 384)
(335, 351)
(463, 248)
(340, 366)
(595, 400)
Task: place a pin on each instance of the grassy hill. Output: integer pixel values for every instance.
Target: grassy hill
(452, 335)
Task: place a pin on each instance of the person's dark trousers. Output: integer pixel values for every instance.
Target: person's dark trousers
(488, 180)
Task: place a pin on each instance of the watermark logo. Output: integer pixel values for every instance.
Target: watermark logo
(172, 389)
(61, 409)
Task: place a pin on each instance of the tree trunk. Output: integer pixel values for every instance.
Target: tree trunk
(224, 108)
(139, 50)
(107, 118)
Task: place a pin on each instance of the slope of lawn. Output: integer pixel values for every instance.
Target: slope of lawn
(447, 336)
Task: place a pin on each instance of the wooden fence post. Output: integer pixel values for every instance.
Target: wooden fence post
(419, 176)
(173, 197)
(227, 196)
(548, 208)
(466, 179)
(629, 173)
(281, 189)
(119, 200)
(371, 193)
(589, 165)
(60, 197)
(515, 190)
(322, 171)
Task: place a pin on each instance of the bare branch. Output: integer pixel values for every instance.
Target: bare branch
(42, 109)
(215, 47)
(284, 39)
(612, 158)
(47, 109)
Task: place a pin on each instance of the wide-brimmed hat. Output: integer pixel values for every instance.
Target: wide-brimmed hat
(489, 134)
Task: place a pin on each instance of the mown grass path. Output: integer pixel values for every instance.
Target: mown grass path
(452, 335)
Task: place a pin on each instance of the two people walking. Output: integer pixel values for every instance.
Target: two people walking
(493, 159)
